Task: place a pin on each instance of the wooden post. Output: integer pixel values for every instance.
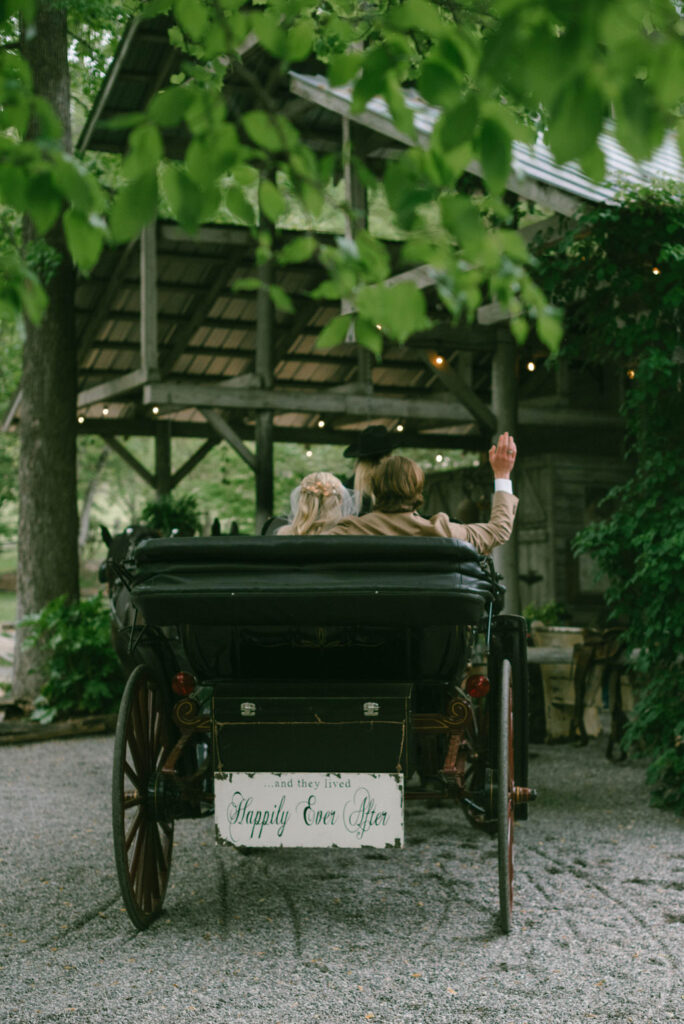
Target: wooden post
(505, 408)
(162, 475)
(356, 219)
(263, 429)
(149, 340)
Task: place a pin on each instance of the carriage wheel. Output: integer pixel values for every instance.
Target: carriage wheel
(143, 837)
(504, 797)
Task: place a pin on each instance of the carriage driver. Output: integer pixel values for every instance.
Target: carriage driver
(398, 489)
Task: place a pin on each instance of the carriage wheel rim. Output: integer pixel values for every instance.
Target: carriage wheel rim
(142, 844)
(505, 790)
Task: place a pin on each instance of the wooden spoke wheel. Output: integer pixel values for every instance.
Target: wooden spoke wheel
(143, 830)
(504, 797)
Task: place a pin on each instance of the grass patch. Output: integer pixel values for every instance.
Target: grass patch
(8, 606)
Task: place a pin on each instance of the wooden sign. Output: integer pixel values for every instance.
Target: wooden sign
(350, 809)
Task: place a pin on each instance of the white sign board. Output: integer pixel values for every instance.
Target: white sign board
(309, 809)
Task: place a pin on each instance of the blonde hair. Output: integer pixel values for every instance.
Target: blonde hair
(398, 485)
(317, 504)
(363, 476)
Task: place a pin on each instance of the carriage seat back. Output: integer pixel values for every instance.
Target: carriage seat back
(322, 581)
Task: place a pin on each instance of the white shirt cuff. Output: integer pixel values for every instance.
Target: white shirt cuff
(501, 484)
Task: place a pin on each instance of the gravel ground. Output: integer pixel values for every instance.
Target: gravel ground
(390, 937)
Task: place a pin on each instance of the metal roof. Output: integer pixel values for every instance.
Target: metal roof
(535, 162)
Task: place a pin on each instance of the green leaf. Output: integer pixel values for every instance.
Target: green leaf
(399, 310)
(269, 32)
(334, 332)
(135, 205)
(299, 250)
(246, 284)
(576, 119)
(33, 298)
(239, 206)
(168, 108)
(640, 122)
(401, 115)
(343, 66)
(145, 151)
(43, 202)
(13, 185)
(189, 203)
(463, 220)
(261, 129)
(48, 125)
(519, 329)
(457, 125)
(72, 180)
(192, 17)
(368, 336)
(84, 237)
(495, 153)
(418, 15)
(280, 299)
(121, 122)
(271, 202)
(438, 84)
(299, 41)
(593, 163)
(550, 328)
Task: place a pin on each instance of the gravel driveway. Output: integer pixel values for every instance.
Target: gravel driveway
(343, 936)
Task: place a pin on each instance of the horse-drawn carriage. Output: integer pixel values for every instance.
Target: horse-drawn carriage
(289, 686)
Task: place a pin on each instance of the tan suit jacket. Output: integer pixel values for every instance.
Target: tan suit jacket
(483, 536)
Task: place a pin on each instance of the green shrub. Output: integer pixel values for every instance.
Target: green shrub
(619, 271)
(553, 613)
(81, 671)
(173, 513)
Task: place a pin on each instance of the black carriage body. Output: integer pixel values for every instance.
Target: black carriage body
(318, 649)
(315, 655)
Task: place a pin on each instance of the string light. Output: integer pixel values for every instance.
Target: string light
(400, 428)
(309, 453)
(321, 424)
(531, 366)
(439, 458)
(81, 419)
(378, 327)
(105, 410)
(438, 360)
(631, 374)
(656, 271)
(155, 410)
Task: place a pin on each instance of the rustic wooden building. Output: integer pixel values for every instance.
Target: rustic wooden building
(169, 348)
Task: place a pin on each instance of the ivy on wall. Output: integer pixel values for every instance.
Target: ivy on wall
(619, 272)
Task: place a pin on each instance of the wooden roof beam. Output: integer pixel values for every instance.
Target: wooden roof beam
(226, 432)
(129, 459)
(121, 385)
(193, 461)
(291, 400)
(451, 380)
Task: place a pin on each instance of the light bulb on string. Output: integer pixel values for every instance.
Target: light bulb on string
(321, 424)
(309, 453)
(656, 271)
(531, 366)
(155, 410)
(105, 410)
(400, 428)
(439, 458)
(81, 419)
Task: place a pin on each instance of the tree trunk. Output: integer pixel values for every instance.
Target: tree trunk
(48, 518)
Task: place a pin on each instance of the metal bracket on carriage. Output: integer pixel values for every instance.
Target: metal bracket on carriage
(188, 717)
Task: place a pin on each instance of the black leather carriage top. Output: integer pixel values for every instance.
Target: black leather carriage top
(317, 580)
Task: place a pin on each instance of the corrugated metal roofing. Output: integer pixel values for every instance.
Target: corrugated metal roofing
(535, 162)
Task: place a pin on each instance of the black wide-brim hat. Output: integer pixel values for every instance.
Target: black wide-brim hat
(372, 443)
